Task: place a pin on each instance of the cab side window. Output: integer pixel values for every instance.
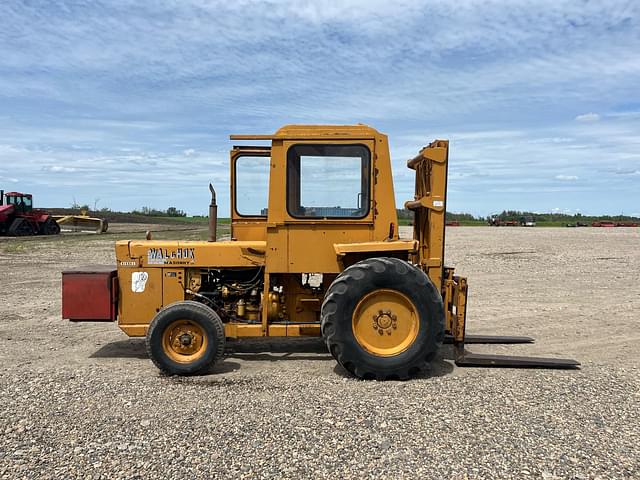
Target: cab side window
(328, 181)
(252, 185)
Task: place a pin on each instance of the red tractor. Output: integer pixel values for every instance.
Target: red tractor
(19, 218)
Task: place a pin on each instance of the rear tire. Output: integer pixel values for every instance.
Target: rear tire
(20, 227)
(185, 338)
(382, 318)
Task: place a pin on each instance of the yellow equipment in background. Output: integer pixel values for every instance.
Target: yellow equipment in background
(314, 251)
(82, 222)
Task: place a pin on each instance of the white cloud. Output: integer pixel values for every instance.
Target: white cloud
(58, 169)
(566, 177)
(189, 152)
(588, 118)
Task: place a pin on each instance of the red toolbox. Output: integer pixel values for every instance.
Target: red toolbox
(90, 293)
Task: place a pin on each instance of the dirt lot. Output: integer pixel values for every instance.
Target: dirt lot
(82, 400)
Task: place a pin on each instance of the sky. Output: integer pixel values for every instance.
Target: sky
(125, 104)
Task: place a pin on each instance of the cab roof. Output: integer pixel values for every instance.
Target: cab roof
(315, 131)
(16, 194)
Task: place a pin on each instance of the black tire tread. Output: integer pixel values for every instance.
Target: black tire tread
(50, 227)
(210, 316)
(20, 227)
(372, 270)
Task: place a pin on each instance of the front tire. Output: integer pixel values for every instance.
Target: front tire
(382, 318)
(50, 227)
(185, 338)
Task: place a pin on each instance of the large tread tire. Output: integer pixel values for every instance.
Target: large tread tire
(205, 318)
(20, 227)
(50, 227)
(359, 280)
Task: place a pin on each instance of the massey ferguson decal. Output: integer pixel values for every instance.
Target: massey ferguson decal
(175, 256)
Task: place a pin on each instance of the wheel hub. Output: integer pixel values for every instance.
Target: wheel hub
(385, 321)
(184, 341)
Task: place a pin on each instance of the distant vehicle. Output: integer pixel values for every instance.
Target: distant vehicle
(19, 218)
(82, 222)
(605, 224)
(527, 221)
(453, 223)
(498, 222)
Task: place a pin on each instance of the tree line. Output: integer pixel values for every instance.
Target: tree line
(517, 215)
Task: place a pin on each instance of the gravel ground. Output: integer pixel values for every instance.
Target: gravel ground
(83, 401)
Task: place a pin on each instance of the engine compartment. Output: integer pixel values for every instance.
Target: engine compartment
(238, 294)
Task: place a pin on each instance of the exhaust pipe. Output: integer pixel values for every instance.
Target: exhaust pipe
(213, 215)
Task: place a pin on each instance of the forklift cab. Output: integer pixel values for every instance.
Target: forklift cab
(313, 189)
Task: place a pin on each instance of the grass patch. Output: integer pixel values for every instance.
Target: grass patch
(17, 247)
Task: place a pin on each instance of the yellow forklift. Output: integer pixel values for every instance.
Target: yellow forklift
(314, 251)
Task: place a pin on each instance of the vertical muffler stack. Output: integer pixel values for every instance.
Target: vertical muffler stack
(213, 215)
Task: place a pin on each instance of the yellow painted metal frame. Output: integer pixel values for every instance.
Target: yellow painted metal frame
(192, 253)
(245, 227)
(285, 245)
(455, 294)
(408, 246)
(429, 206)
(82, 222)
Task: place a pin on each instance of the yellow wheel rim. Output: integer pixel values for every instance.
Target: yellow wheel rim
(184, 341)
(385, 322)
